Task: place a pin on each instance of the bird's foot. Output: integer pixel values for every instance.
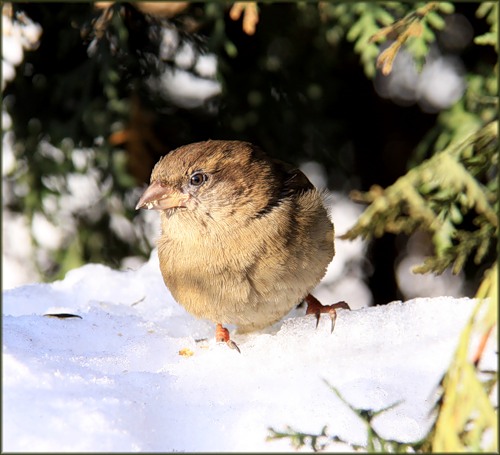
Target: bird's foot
(314, 306)
(222, 336)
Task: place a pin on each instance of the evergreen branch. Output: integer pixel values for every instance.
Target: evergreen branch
(467, 242)
(456, 177)
(250, 15)
(317, 442)
(434, 195)
(358, 22)
(489, 11)
(413, 25)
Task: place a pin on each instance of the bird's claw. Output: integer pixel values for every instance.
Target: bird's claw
(333, 316)
(315, 307)
(233, 345)
(222, 336)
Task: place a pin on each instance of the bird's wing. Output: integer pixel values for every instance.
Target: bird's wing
(294, 179)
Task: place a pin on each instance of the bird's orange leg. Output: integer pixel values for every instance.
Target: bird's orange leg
(314, 306)
(222, 335)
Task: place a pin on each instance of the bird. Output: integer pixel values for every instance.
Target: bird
(244, 237)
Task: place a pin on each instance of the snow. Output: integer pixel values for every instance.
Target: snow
(17, 35)
(437, 87)
(184, 88)
(114, 380)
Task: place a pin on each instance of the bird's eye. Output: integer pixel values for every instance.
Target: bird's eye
(198, 179)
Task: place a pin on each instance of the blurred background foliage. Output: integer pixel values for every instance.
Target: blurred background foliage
(101, 95)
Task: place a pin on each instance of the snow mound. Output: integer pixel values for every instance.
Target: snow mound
(115, 380)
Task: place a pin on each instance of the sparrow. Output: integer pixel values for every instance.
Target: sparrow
(244, 237)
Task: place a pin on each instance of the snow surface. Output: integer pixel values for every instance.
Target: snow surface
(115, 380)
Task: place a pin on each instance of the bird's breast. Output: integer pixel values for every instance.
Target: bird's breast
(252, 274)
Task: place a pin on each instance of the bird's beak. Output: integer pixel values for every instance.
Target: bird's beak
(161, 197)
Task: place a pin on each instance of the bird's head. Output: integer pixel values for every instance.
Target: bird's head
(217, 179)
